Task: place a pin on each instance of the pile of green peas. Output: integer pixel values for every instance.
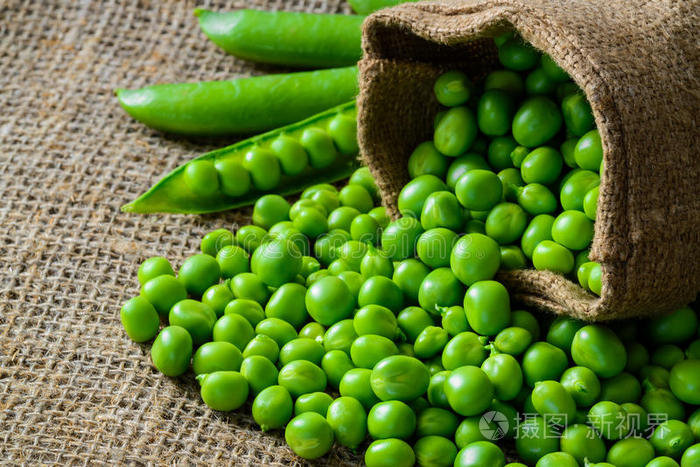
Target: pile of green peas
(516, 158)
(345, 327)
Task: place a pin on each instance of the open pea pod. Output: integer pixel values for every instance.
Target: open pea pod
(320, 149)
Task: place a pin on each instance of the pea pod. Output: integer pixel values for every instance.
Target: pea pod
(237, 175)
(239, 106)
(304, 40)
(365, 7)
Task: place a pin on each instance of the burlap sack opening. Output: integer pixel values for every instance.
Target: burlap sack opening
(638, 64)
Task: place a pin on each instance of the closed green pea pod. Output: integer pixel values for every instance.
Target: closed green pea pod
(348, 419)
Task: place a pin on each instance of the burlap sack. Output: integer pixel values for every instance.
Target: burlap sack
(637, 62)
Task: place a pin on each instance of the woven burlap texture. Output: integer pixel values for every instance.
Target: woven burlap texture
(73, 388)
(637, 62)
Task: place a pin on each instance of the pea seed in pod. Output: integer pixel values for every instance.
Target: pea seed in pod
(153, 267)
(543, 361)
(475, 257)
(479, 190)
(536, 438)
(400, 378)
(427, 160)
(263, 167)
(541, 165)
(413, 195)
(163, 292)
(505, 374)
(440, 288)
(272, 408)
(279, 330)
(389, 453)
(201, 178)
(367, 350)
(631, 452)
(139, 319)
(319, 146)
(537, 120)
(375, 319)
(171, 351)
(309, 435)
(217, 297)
(329, 300)
(348, 419)
(480, 453)
(196, 317)
(506, 223)
(223, 390)
(435, 451)
(380, 290)
(216, 356)
(302, 377)
(455, 132)
(343, 131)
(552, 256)
(487, 306)
(469, 390)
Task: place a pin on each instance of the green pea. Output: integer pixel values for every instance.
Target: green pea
(279, 330)
(553, 70)
(515, 54)
(551, 256)
(675, 327)
(343, 131)
(512, 257)
(364, 178)
(216, 356)
(276, 262)
(610, 419)
(538, 82)
(302, 204)
(264, 346)
(196, 317)
(412, 321)
(301, 348)
(367, 350)
(434, 421)
(582, 384)
(504, 372)
(441, 209)
(487, 306)
(637, 356)
(622, 388)
(233, 328)
(567, 152)
(495, 111)
(557, 459)
(469, 432)
(510, 180)
(542, 165)
(452, 88)
(309, 435)
(506, 223)
(353, 280)
(536, 199)
(375, 263)
(172, 350)
(499, 151)
(139, 319)
(325, 248)
(313, 330)
(543, 361)
(264, 168)
(505, 80)
(590, 203)
(655, 375)
(233, 178)
(309, 265)
(454, 320)
(435, 451)
(326, 198)
(685, 381)
(287, 304)
(578, 117)
(427, 160)
(217, 297)
(311, 222)
(588, 152)
(535, 439)
(391, 419)
(518, 155)
(319, 146)
(538, 230)
(399, 377)
(380, 290)
(317, 402)
(249, 237)
(662, 461)
(198, 273)
(479, 190)
(440, 288)
(302, 377)
(377, 320)
(436, 392)
(335, 364)
(691, 456)
(631, 452)
(340, 336)
(553, 401)
(249, 309)
(430, 342)
(537, 120)
(573, 230)
(480, 453)
(409, 275)
(356, 383)
(269, 210)
(364, 228)
(201, 178)
(693, 350)
(272, 408)
(291, 155)
(469, 390)
(526, 320)
(462, 165)
(329, 300)
(595, 279)
(380, 215)
(475, 257)
(223, 390)
(352, 252)
(562, 331)
(466, 348)
(583, 443)
(214, 241)
(348, 419)
(664, 402)
(232, 260)
(512, 340)
(413, 195)
(389, 453)
(598, 348)
(356, 196)
(667, 356)
(575, 186)
(455, 132)
(154, 267)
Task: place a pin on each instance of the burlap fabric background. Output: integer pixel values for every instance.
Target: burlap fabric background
(638, 63)
(73, 388)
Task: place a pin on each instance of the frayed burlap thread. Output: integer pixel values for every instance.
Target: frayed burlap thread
(636, 60)
(74, 390)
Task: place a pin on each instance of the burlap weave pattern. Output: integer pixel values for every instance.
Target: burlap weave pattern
(638, 63)
(73, 388)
